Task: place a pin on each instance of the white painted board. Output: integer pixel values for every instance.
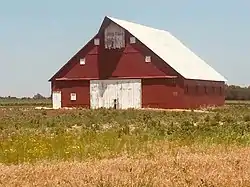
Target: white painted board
(56, 99)
(127, 92)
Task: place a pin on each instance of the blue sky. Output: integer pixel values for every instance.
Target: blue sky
(38, 37)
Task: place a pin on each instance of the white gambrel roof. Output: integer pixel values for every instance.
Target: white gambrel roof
(172, 51)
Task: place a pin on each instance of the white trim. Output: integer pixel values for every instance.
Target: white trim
(73, 96)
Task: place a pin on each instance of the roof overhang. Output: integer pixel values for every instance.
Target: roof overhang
(144, 77)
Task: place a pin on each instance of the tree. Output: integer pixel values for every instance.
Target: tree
(38, 96)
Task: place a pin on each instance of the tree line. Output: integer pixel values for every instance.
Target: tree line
(234, 92)
(36, 97)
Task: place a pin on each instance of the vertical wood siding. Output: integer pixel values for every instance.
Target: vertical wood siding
(114, 62)
(161, 93)
(203, 93)
(81, 88)
(127, 93)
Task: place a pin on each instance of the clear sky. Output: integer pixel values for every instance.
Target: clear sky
(38, 37)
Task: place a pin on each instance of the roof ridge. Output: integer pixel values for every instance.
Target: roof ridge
(139, 24)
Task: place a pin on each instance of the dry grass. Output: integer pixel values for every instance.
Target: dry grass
(125, 148)
(167, 165)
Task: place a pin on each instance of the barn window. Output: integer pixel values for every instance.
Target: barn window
(97, 41)
(82, 61)
(205, 89)
(220, 90)
(213, 89)
(73, 96)
(148, 59)
(186, 89)
(132, 40)
(197, 89)
(217, 90)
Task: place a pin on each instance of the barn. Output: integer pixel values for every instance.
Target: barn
(129, 65)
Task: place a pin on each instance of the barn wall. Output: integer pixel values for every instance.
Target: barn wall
(162, 93)
(81, 88)
(89, 70)
(103, 63)
(203, 93)
(73, 69)
(130, 62)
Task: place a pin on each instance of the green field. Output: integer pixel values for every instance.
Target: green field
(13, 102)
(124, 148)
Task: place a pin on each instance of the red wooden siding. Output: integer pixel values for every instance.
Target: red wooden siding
(161, 93)
(104, 63)
(89, 70)
(81, 88)
(203, 93)
(73, 69)
(130, 62)
(126, 64)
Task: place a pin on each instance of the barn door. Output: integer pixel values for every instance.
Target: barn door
(56, 99)
(129, 93)
(109, 91)
(125, 93)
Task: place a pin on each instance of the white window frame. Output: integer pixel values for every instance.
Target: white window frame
(97, 41)
(132, 40)
(82, 61)
(147, 59)
(73, 96)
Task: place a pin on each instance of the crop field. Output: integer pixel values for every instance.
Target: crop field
(124, 148)
(13, 102)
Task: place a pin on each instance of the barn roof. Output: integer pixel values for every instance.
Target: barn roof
(172, 51)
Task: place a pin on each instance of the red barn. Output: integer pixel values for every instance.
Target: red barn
(128, 65)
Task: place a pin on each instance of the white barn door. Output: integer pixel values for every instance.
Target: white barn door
(56, 99)
(127, 93)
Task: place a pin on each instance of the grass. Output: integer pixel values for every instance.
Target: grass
(170, 165)
(124, 148)
(14, 102)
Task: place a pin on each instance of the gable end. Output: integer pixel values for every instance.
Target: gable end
(68, 63)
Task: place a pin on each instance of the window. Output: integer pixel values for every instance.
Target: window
(218, 91)
(221, 90)
(148, 59)
(82, 61)
(213, 89)
(132, 40)
(205, 89)
(197, 89)
(186, 89)
(73, 96)
(97, 41)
